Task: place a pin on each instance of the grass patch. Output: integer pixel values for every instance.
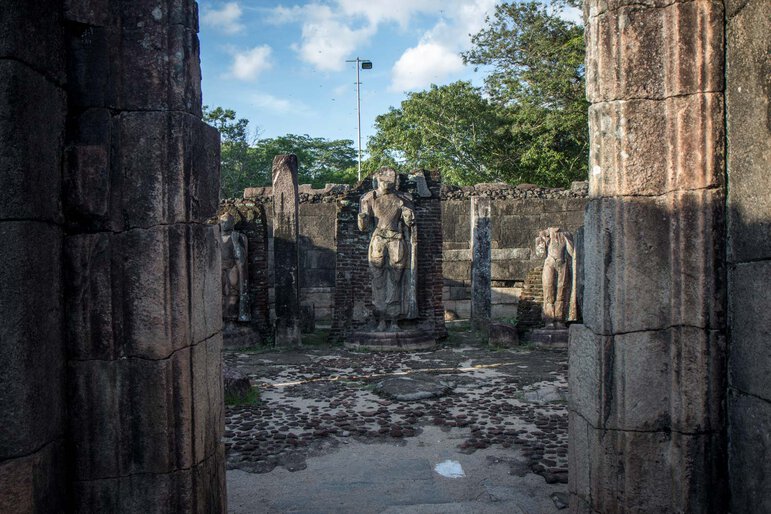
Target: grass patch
(250, 398)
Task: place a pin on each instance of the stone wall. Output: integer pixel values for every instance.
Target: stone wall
(110, 277)
(353, 297)
(749, 253)
(518, 213)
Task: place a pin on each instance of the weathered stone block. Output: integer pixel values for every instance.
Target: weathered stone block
(749, 133)
(505, 311)
(750, 358)
(505, 295)
(42, 25)
(88, 277)
(205, 171)
(32, 131)
(749, 452)
(158, 80)
(207, 394)
(625, 57)
(205, 282)
(585, 375)
(135, 416)
(627, 252)
(154, 278)
(34, 483)
(511, 270)
(457, 270)
(32, 349)
(503, 334)
(628, 154)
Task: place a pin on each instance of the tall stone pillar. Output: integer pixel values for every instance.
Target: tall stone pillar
(32, 363)
(286, 250)
(481, 262)
(647, 367)
(749, 253)
(142, 268)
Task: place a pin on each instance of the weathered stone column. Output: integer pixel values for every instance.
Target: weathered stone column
(32, 363)
(647, 368)
(481, 262)
(286, 250)
(142, 268)
(749, 254)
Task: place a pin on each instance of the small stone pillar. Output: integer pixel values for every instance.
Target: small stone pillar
(286, 254)
(481, 295)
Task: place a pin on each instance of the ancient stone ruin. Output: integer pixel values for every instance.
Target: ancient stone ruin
(116, 274)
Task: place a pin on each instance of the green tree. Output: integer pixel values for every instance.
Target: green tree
(239, 168)
(537, 77)
(451, 128)
(320, 161)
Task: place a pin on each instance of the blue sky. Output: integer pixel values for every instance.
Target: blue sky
(281, 64)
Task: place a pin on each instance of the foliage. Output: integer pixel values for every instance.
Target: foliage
(451, 128)
(250, 398)
(246, 163)
(238, 168)
(537, 62)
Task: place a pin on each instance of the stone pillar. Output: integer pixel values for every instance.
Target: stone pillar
(142, 267)
(647, 367)
(749, 254)
(32, 354)
(286, 250)
(481, 261)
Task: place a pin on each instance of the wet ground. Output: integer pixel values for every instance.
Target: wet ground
(328, 422)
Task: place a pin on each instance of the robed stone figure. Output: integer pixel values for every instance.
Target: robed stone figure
(392, 255)
(559, 291)
(233, 247)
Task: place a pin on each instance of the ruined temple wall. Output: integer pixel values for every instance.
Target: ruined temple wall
(647, 366)
(749, 253)
(517, 215)
(111, 273)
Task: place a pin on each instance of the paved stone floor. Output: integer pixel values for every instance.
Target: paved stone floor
(326, 437)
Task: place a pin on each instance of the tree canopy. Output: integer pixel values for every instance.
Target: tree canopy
(248, 163)
(528, 124)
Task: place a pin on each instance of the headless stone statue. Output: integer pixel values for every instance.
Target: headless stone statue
(392, 251)
(557, 246)
(235, 300)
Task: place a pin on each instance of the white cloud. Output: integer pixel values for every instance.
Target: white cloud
(437, 56)
(279, 105)
(424, 64)
(227, 19)
(327, 41)
(382, 11)
(249, 64)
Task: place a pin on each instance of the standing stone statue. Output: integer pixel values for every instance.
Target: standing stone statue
(392, 251)
(557, 245)
(235, 300)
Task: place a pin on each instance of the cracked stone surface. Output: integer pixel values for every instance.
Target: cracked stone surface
(317, 401)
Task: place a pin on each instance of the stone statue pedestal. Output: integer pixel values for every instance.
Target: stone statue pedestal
(405, 340)
(549, 337)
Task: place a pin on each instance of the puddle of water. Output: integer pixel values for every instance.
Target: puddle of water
(450, 469)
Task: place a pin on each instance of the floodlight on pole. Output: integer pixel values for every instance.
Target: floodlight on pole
(365, 65)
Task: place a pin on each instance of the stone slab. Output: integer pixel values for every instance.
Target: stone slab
(402, 341)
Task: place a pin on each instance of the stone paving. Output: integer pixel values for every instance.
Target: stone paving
(315, 399)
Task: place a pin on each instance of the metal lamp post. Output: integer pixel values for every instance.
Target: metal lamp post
(365, 65)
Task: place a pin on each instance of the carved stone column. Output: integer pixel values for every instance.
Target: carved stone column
(481, 263)
(647, 367)
(286, 250)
